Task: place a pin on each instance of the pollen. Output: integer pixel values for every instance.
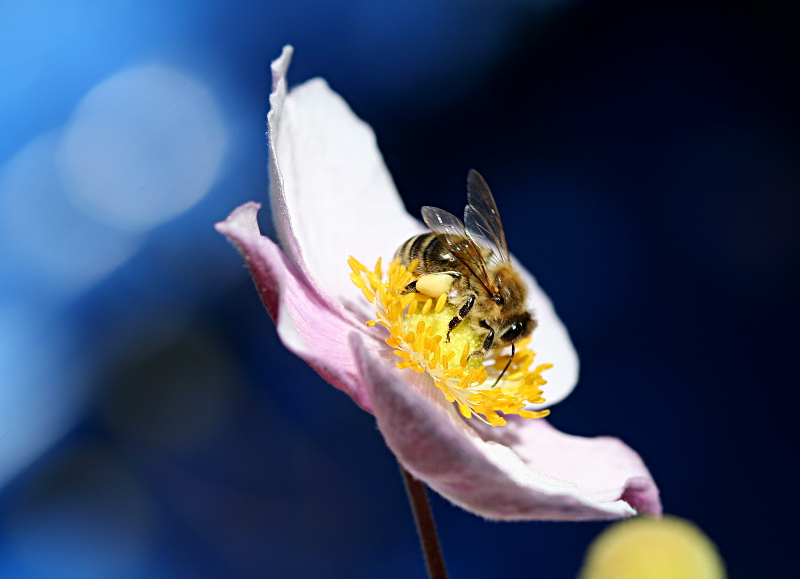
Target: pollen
(417, 325)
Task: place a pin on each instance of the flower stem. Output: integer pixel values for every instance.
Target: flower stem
(426, 527)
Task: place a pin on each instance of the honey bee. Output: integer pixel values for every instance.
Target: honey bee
(470, 261)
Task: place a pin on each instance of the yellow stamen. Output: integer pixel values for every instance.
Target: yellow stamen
(417, 338)
(355, 265)
(368, 295)
(465, 355)
(427, 307)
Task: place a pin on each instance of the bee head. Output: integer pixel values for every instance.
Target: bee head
(517, 329)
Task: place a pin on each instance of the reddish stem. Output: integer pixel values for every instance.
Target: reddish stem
(426, 527)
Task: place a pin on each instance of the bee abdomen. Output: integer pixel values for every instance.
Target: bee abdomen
(413, 248)
(426, 247)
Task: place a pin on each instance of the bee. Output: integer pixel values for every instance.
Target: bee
(470, 261)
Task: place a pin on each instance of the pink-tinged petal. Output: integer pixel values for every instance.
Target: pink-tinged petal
(603, 468)
(483, 477)
(332, 195)
(552, 344)
(306, 325)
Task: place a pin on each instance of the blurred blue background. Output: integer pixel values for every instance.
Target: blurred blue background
(645, 159)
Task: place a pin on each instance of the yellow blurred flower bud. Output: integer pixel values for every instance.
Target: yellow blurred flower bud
(647, 548)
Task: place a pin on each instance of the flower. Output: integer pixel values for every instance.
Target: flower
(332, 196)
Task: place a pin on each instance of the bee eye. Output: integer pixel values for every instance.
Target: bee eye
(515, 330)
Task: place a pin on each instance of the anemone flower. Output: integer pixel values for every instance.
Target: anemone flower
(332, 197)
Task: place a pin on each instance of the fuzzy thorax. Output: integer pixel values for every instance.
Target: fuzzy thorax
(418, 325)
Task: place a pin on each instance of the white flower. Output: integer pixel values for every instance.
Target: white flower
(332, 197)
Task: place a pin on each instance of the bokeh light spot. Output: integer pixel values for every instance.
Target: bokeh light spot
(43, 387)
(142, 147)
(61, 249)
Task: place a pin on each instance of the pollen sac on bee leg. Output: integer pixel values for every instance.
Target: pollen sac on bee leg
(434, 284)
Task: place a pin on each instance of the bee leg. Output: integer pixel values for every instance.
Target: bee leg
(487, 342)
(450, 327)
(410, 288)
(462, 313)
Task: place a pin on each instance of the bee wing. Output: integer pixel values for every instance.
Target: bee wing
(482, 219)
(450, 231)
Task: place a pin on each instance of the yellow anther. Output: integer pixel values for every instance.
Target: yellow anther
(440, 302)
(450, 373)
(355, 265)
(434, 357)
(358, 280)
(427, 307)
(465, 354)
(368, 295)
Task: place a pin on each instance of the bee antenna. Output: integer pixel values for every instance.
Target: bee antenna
(507, 365)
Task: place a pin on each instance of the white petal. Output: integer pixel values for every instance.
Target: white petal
(552, 345)
(332, 193)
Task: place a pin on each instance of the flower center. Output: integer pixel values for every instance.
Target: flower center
(418, 325)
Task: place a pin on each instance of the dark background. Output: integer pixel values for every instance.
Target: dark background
(645, 159)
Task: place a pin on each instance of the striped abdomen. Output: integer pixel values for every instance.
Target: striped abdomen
(432, 255)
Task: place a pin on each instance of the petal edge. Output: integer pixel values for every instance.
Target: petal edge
(305, 323)
(485, 478)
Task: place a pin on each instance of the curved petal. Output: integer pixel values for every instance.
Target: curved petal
(604, 467)
(551, 343)
(306, 325)
(332, 194)
(483, 477)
